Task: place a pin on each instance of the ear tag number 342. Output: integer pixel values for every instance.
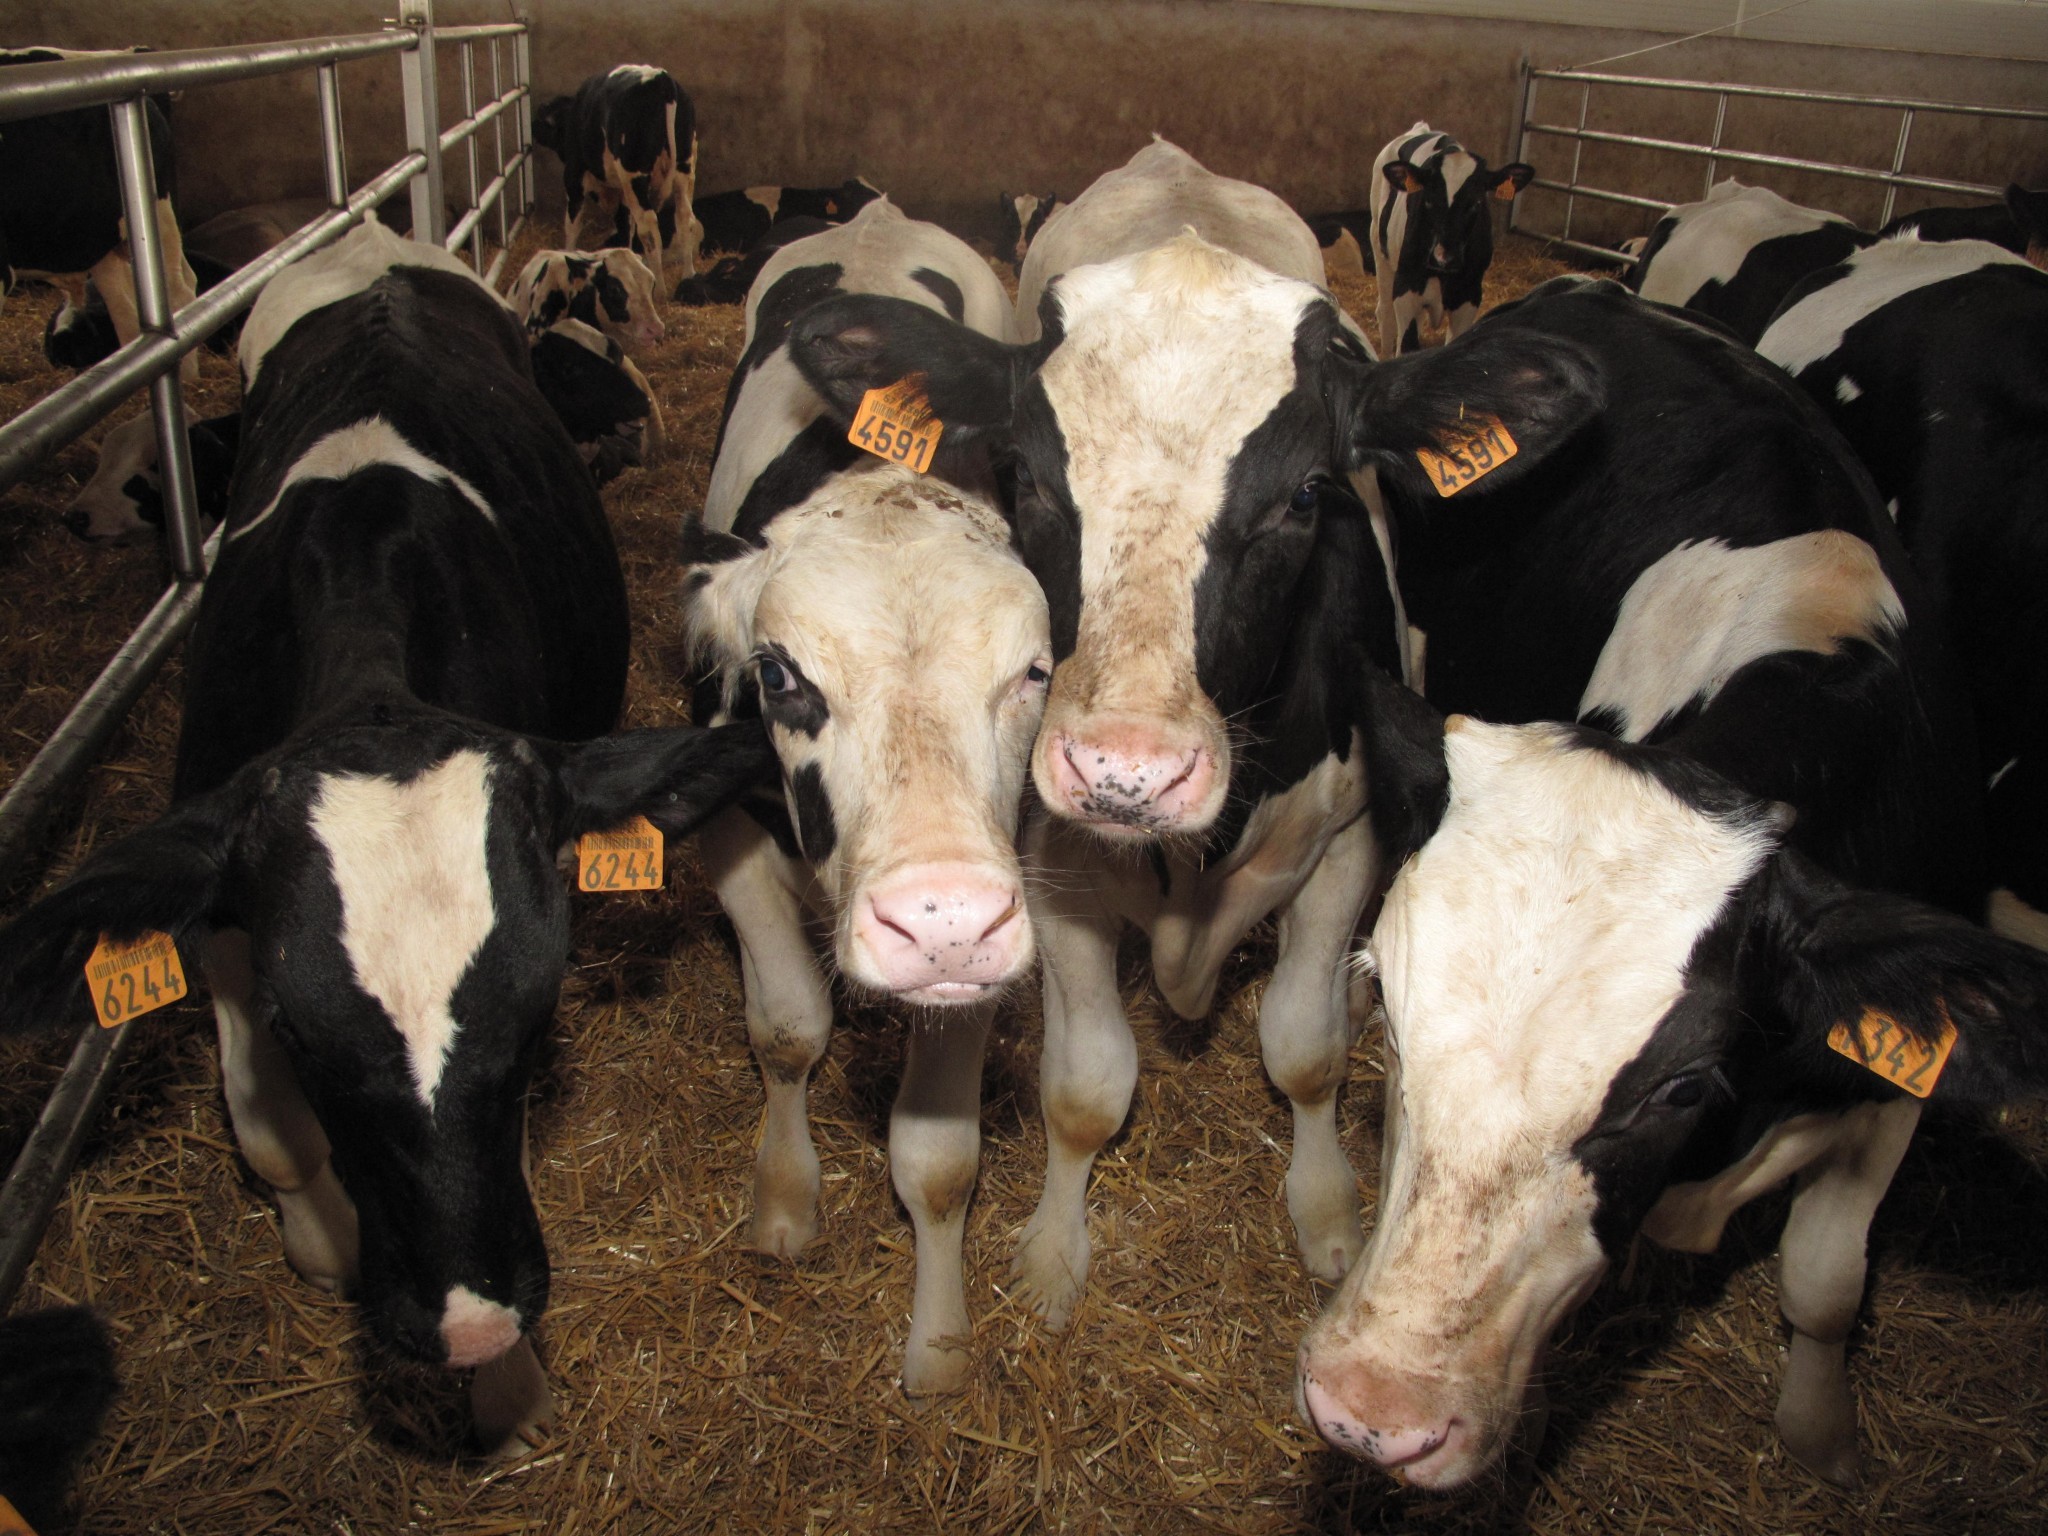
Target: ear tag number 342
(130, 979)
(1877, 1042)
(897, 424)
(1475, 449)
(626, 858)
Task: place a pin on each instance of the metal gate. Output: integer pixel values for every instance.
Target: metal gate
(120, 83)
(1716, 158)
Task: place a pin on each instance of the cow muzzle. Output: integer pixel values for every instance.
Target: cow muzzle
(1402, 1427)
(1130, 777)
(940, 933)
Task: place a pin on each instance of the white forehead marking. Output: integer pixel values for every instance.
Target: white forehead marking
(1704, 611)
(769, 199)
(409, 862)
(639, 73)
(1848, 390)
(1531, 947)
(1711, 240)
(1458, 169)
(365, 445)
(328, 276)
(1814, 327)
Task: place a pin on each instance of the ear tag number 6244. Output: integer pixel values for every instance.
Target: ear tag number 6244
(131, 979)
(626, 858)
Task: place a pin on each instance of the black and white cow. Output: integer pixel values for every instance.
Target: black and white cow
(123, 502)
(1019, 218)
(1345, 238)
(1735, 256)
(1933, 360)
(880, 623)
(731, 278)
(60, 203)
(586, 317)
(416, 605)
(628, 139)
(736, 221)
(1614, 954)
(1218, 594)
(1432, 232)
(2019, 223)
(612, 290)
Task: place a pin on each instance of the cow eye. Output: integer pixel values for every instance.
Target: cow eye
(775, 677)
(1038, 674)
(1688, 1090)
(1021, 472)
(1307, 496)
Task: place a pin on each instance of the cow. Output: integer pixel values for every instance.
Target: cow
(56, 1383)
(123, 502)
(1019, 218)
(1693, 786)
(1932, 358)
(60, 203)
(415, 627)
(1217, 588)
(732, 278)
(1736, 255)
(1345, 238)
(2019, 223)
(1432, 232)
(880, 623)
(612, 290)
(737, 221)
(602, 400)
(628, 139)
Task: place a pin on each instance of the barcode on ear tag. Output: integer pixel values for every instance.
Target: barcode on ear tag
(11, 1522)
(897, 424)
(627, 858)
(1472, 451)
(130, 979)
(1877, 1042)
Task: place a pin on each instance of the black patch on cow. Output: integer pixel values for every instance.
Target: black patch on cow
(945, 290)
(148, 496)
(1771, 270)
(806, 462)
(57, 1380)
(813, 812)
(1032, 480)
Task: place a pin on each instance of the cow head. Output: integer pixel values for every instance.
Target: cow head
(1449, 195)
(1598, 968)
(899, 653)
(407, 930)
(1175, 447)
(612, 290)
(123, 502)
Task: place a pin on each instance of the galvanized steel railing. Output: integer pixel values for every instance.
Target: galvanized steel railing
(1714, 153)
(120, 83)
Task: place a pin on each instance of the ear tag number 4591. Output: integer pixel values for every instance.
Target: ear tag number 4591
(627, 858)
(1471, 451)
(130, 979)
(897, 424)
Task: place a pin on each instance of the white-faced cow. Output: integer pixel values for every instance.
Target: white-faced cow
(60, 204)
(416, 604)
(612, 290)
(1613, 961)
(2018, 223)
(1735, 256)
(1933, 360)
(1217, 593)
(1432, 232)
(737, 221)
(879, 622)
(123, 502)
(628, 140)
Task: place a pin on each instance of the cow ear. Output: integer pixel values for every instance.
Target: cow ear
(551, 123)
(675, 778)
(849, 345)
(1542, 390)
(722, 581)
(1510, 179)
(165, 878)
(1902, 976)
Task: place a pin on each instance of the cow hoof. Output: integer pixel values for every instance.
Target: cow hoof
(1817, 1412)
(933, 1368)
(1051, 1267)
(1326, 1229)
(509, 1402)
(782, 1233)
(319, 1224)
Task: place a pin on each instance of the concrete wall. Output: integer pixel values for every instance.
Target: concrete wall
(946, 102)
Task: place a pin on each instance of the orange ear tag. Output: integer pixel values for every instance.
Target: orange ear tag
(1474, 450)
(897, 424)
(1878, 1043)
(627, 858)
(11, 1522)
(130, 979)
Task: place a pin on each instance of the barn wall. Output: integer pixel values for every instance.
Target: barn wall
(945, 102)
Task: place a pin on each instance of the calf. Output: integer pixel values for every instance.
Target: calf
(1613, 958)
(879, 622)
(1933, 360)
(60, 204)
(602, 400)
(628, 139)
(416, 603)
(736, 221)
(732, 278)
(2019, 223)
(123, 502)
(1432, 232)
(1735, 256)
(1019, 218)
(1217, 591)
(612, 290)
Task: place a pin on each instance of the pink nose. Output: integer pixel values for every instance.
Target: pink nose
(1129, 779)
(944, 932)
(1392, 1448)
(475, 1328)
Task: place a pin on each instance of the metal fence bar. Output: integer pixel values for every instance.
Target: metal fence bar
(1891, 191)
(1793, 93)
(498, 146)
(33, 90)
(333, 145)
(522, 75)
(423, 120)
(1757, 157)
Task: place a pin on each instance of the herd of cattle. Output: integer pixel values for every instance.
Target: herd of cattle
(1634, 705)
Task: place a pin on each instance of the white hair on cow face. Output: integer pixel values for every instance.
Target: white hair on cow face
(1526, 955)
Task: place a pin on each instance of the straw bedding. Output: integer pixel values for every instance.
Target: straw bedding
(702, 1387)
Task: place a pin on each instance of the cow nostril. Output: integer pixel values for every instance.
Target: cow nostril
(895, 927)
(1003, 919)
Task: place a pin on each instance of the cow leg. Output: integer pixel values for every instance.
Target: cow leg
(1086, 1075)
(509, 1401)
(1461, 319)
(656, 436)
(1407, 333)
(1305, 1038)
(275, 1126)
(639, 222)
(1820, 1284)
(789, 1020)
(934, 1152)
